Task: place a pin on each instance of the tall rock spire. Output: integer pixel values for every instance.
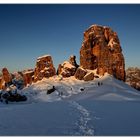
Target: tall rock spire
(101, 50)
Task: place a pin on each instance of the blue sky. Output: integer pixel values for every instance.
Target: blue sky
(29, 31)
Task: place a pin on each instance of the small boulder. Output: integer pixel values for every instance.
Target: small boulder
(80, 73)
(89, 76)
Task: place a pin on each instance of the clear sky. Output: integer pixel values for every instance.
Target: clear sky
(29, 31)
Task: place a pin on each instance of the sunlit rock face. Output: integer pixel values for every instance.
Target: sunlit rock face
(101, 50)
(72, 61)
(1, 81)
(44, 68)
(6, 75)
(80, 73)
(68, 68)
(28, 77)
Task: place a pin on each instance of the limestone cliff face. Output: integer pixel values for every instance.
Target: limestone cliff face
(101, 50)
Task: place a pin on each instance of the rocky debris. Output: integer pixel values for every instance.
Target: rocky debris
(28, 77)
(44, 68)
(101, 50)
(68, 68)
(89, 76)
(80, 73)
(6, 76)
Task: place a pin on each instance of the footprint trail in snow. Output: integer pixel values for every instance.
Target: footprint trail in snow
(83, 125)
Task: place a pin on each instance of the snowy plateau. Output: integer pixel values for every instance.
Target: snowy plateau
(75, 108)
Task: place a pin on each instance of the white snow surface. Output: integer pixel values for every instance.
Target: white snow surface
(67, 64)
(75, 108)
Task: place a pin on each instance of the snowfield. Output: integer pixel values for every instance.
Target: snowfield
(102, 107)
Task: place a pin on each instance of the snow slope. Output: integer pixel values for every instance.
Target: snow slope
(76, 108)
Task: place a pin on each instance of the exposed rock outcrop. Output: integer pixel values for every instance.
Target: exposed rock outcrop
(44, 68)
(80, 73)
(89, 76)
(72, 61)
(68, 68)
(101, 50)
(1, 81)
(28, 77)
(7, 77)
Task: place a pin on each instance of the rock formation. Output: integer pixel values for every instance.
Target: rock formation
(68, 68)
(89, 76)
(101, 50)
(1, 81)
(72, 61)
(80, 73)
(6, 76)
(44, 68)
(28, 77)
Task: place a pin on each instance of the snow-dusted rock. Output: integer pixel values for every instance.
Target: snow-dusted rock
(89, 76)
(72, 61)
(28, 77)
(80, 73)
(44, 68)
(68, 68)
(101, 50)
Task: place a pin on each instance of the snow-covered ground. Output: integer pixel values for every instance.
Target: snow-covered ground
(75, 108)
